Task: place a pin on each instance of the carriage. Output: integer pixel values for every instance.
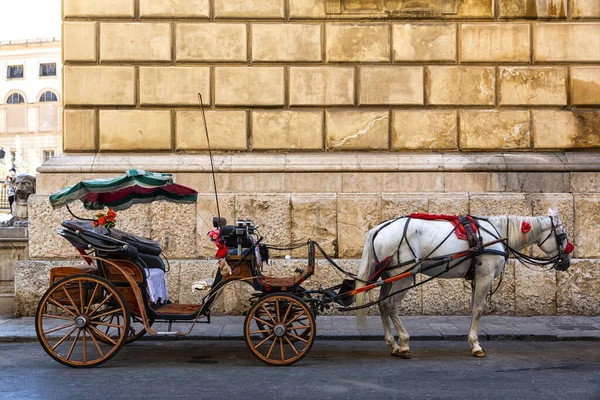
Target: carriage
(119, 295)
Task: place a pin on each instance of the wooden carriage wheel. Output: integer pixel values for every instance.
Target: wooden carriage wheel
(279, 329)
(71, 316)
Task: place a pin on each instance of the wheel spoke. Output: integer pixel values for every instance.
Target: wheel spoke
(101, 304)
(92, 298)
(58, 328)
(296, 317)
(103, 335)
(109, 325)
(56, 303)
(271, 348)
(286, 313)
(277, 311)
(264, 341)
(106, 313)
(73, 345)
(261, 331)
(268, 313)
(84, 347)
(281, 349)
(291, 345)
(262, 321)
(299, 327)
(70, 299)
(63, 339)
(96, 344)
(56, 317)
(297, 337)
(81, 303)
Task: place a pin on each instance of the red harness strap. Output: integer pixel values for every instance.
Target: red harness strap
(459, 230)
(380, 267)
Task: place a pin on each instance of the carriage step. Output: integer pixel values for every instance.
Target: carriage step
(166, 333)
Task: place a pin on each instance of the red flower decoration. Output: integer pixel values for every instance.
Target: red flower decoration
(525, 227)
(569, 247)
(106, 220)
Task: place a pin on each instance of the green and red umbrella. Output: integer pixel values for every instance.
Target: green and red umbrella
(136, 186)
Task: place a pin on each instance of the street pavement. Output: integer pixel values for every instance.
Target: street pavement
(544, 328)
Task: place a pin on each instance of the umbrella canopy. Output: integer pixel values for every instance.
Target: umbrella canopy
(136, 186)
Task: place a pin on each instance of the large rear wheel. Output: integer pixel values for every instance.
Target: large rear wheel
(74, 313)
(279, 329)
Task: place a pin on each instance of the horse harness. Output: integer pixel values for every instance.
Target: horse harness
(472, 229)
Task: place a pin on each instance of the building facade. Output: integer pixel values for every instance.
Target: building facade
(329, 116)
(30, 102)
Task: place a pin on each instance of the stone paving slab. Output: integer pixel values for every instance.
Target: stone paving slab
(545, 328)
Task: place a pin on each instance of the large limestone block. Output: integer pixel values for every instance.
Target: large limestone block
(585, 86)
(577, 289)
(566, 129)
(135, 130)
(583, 9)
(295, 42)
(357, 130)
(533, 86)
(174, 227)
(321, 86)
(79, 41)
(587, 225)
(102, 9)
(272, 9)
(494, 130)
(211, 42)
(304, 182)
(314, 217)
(227, 130)
(535, 291)
(79, 130)
(500, 204)
(475, 9)
(503, 301)
(357, 43)
(537, 182)
(206, 209)
(407, 182)
(449, 203)
(252, 182)
(533, 9)
(394, 206)
(424, 42)
(461, 86)
(391, 85)
(31, 281)
(424, 130)
(287, 130)
(585, 182)
(495, 43)
(306, 9)
(135, 42)
(357, 214)
(175, 9)
(238, 86)
(446, 297)
(572, 42)
(174, 85)
(99, 85)
(475, 182)
(271, 212)
(362, 182)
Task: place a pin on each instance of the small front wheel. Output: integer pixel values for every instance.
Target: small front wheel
(280, 329)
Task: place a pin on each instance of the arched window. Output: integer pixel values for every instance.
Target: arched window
(48, 96)
(15, 98)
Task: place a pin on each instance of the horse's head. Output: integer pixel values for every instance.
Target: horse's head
(553, 241)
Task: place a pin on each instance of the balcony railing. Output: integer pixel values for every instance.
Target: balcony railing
(23, 118)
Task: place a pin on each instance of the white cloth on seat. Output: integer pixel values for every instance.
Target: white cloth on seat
(157, 286)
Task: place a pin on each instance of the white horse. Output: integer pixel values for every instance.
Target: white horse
(421, 241)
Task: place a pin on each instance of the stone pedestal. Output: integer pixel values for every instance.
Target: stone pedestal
(13, 247)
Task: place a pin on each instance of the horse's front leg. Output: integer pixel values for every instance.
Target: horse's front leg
(483, 282)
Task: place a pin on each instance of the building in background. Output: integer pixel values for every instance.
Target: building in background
(30, 103)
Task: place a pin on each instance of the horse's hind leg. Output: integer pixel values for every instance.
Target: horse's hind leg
(389, 311)
(483, 282)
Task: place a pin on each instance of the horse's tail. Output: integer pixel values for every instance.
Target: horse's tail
(364, 271)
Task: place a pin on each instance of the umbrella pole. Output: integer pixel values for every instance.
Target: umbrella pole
(75, 216)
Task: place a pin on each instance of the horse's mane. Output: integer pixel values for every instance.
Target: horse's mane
(510, 225)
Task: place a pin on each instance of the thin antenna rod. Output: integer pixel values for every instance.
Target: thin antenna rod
(212, 166)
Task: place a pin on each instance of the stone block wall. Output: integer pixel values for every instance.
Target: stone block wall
(323, 75)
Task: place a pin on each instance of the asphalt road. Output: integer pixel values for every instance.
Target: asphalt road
(332, 370)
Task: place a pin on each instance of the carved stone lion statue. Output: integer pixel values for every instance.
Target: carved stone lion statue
(24, 187)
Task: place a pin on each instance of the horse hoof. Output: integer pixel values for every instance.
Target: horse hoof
(405, 354)
(479, 353)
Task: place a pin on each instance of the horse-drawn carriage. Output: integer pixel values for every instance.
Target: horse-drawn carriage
(90, 312)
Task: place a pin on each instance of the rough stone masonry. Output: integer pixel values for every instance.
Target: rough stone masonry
(331, 115)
